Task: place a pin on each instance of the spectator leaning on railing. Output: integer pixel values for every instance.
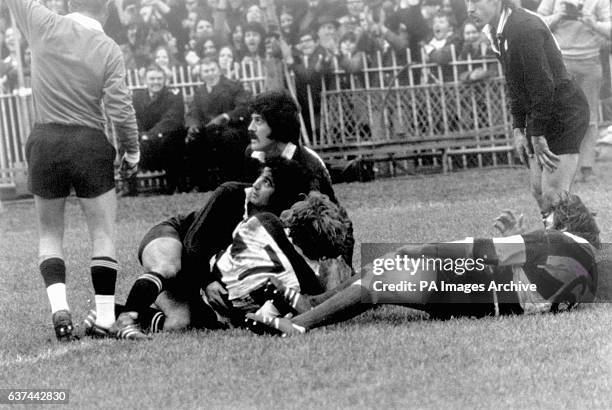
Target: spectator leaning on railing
(581, 27)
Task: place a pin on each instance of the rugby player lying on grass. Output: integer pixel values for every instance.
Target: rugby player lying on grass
(559, 260)
(260, 249)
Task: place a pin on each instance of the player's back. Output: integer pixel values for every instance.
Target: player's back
(72, 60)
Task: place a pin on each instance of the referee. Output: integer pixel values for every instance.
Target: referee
(550, 112)
(76, 71)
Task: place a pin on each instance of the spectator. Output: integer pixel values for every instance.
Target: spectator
(273, 63)
(4, 52)
(581, 27)
(255, 14)
(327, 31)
(254, 34)
(193, 63)
(229, 67)
(237, 42)
(207, 48)
(216, 120)
(160, 115)
(457, 10)
(136, 52)
(311, 65)
(309, 21)
(288, 28)
(165, 60)
(475, 47)
(404, 29)
(203, 29)
(353, 61)
(8, 66)
(439, 50)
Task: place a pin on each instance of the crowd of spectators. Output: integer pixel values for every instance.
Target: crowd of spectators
(310, 38)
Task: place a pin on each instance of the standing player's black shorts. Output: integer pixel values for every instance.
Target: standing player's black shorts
(570, 119)
(64, 156)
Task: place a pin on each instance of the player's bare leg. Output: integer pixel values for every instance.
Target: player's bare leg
(100, 214)
(358, 294)
(50, 214)
(535, 181)
(560, 180)
(547, 183)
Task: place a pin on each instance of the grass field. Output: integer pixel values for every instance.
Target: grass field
(389, 357)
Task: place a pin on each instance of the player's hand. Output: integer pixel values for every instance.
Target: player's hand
(127, 169)
(192, 133)
(521, 145)
(282, 326)
(218, 120)
(508, 223)
(543, 154)
(217, 297)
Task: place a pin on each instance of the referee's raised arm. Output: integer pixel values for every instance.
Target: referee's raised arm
(77, 73)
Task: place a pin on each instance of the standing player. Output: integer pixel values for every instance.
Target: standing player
(76, 70)
(550, 112)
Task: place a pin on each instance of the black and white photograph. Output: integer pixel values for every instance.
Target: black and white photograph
(253, 204)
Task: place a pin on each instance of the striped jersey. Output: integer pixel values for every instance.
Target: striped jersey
(261, 249)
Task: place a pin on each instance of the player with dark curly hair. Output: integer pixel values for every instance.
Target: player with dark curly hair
(289, 249)
(174, 270)
(544, 270)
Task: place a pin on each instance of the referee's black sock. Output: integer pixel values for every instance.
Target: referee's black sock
(144, 292)
(53, 271)
(103, 277)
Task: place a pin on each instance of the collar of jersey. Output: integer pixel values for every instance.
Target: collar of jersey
(85, 21)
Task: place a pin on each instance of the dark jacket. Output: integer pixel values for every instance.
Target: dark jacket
(535, 74)
(227, 96)
(164, 115)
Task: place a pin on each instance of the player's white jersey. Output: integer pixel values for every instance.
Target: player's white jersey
(258, 251)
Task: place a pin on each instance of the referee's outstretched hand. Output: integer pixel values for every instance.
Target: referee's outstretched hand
(543, 154)
(521, 145)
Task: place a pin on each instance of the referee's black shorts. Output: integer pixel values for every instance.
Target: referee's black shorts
(64, 156)
(570, 120)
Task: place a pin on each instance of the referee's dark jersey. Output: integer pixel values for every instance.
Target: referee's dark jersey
(543, 97)
(77, 73)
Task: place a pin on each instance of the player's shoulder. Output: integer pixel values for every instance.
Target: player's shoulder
(523, 24)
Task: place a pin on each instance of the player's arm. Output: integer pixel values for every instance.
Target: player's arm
(31, 16)
(118, 105)
(539, 82)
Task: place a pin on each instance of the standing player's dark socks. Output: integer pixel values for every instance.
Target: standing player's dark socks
(103, 277)
(144, 292)
(53, 271)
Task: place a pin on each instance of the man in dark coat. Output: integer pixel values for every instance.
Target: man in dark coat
(160, 114)
(216, 121)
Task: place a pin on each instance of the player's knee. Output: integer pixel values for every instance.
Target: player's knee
(177, 321)
(163, 257)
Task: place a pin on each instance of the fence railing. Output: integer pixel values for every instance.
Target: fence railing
(391, 106)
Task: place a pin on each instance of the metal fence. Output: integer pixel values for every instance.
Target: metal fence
(392, 109)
